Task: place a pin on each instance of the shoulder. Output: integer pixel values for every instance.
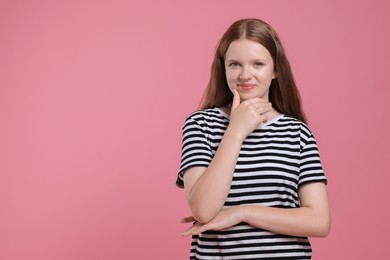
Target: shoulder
(208, 113)
(295, 125)
(206, 116)
(306, 136)
(209, 121)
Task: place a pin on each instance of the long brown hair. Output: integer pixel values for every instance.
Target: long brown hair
(283, 93)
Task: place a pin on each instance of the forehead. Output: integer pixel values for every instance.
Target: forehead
(247, 49)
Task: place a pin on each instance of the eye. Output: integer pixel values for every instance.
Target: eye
(234, 65)
(258, 64)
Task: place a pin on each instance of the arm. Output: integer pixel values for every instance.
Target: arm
(311, 219)
(207, 188)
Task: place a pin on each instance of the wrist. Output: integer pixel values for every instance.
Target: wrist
(233, 135)
(244, 213)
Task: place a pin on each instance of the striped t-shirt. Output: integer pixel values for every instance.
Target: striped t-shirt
(275, 159)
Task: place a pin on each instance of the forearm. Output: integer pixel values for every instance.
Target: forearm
(303, 221)
(207, 196)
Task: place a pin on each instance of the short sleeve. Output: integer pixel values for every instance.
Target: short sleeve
(196, 150)
(310, 164)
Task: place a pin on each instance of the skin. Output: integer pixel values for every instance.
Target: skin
(249, 72)
(249, 69)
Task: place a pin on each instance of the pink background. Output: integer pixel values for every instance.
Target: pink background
(93, 95)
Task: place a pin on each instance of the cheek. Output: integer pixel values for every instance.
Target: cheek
(230, 77)
(266, 74)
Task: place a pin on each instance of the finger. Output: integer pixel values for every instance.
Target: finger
(187, 219)
(263, 109)
(236, 99)
(190, 230)
(263, 118)
(200, 230)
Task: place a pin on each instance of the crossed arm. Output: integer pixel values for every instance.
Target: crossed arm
(207, 188)
(311, 219)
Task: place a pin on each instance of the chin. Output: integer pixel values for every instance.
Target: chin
(247, 96)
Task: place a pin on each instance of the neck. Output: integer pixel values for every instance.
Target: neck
(270, 114)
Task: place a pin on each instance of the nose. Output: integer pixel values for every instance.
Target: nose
(245, 74)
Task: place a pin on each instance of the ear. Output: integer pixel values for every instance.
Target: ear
(274, 75)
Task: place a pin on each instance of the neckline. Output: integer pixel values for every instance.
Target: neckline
(272, 120)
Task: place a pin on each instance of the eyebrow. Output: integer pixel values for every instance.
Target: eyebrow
(254, 60)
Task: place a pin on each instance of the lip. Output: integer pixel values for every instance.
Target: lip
(246, 86)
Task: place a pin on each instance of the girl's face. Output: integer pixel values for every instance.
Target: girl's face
(249, 69)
